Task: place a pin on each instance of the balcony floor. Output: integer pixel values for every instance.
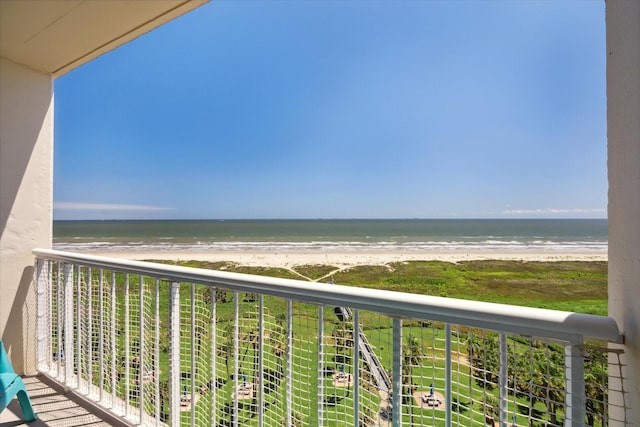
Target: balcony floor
(55, 408)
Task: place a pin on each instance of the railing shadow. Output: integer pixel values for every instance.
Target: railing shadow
(56, 407)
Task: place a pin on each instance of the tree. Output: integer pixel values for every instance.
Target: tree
(471, 349)
(544, 380)
(411, 356)
(164, 400)
(277, 340)
(250, 297)
(296, 420)
(484, 358)
(366, 417)
(490, 407)
(222, 296)
(225, 348)
(596, 378)
(343, 341)
(276, 334)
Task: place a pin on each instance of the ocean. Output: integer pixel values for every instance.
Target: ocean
(357, 235)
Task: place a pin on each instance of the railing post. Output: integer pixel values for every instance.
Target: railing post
(174, 350)
(113, 338)
(396, 415)
(101, 331)
(90, 331)
(49, 294)
(68, 323)
(259, 382)
(141, 353)
(78, 327)
(320, 365)
(43, 284)
(356, 367)
(289, 377)
(503, 380)
(192, 350)
(236, 355)
(58, 304)
(575, 390)
(213, 355)
(156, 355)
(127, 347)
(447, 374)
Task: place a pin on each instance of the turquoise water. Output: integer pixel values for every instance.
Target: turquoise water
(583, 235)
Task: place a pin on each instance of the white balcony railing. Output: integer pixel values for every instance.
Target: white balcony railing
(158, 344)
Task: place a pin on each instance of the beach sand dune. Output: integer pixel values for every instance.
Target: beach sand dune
(347, 259)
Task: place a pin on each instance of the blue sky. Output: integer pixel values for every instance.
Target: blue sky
(342, 109)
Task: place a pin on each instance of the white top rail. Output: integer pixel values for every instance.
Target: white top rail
(562, 325)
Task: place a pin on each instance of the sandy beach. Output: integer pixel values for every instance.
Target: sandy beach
(347, 259)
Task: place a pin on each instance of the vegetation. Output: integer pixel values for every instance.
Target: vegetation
(537, 393)
(569, 285)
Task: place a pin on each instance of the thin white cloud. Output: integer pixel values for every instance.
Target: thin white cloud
(552, 211)
(78, 206)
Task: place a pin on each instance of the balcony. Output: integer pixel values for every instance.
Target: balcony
(56, 408)
(154, 344)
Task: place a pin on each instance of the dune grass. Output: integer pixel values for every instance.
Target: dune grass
(579, 286)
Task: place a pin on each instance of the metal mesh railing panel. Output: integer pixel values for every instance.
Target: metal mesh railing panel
(246, 359)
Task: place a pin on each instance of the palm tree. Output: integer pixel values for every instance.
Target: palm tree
(343, 341)
(411, 356)
(225, 348)
(252, 338)
(472, 351)
(483, 356)
(278, 340)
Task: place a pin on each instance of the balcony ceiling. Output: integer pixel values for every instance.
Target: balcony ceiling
(56, 36)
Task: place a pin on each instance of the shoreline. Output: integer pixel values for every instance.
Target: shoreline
(290, 259)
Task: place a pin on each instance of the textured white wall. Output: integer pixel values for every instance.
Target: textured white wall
(26, 194)
(623, 122)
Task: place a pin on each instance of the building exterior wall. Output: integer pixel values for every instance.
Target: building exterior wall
(26, 194)
(623, 123)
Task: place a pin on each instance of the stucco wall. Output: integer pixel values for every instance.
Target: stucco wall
(623, 122)
(26, 194)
